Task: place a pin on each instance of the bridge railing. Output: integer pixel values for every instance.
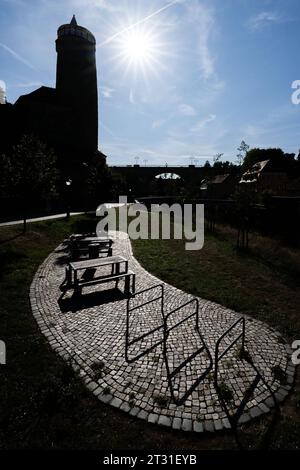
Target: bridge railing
(155, 166)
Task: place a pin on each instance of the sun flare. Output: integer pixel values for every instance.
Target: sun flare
(139, 47)
(139, 50)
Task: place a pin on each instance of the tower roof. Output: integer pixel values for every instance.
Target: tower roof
(73, 21)
(73, 29)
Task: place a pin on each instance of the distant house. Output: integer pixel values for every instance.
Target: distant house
(266, 176)
(218, 187)
(293, 188)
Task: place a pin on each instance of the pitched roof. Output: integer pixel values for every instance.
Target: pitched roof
(259, 166)
(219, 179)
(43, 94)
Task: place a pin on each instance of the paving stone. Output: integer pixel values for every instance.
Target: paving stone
(198, 427)
(264, 408)
(106, 398)
(92, 386)
(125, 407)
(153, 418)
(218, 424)
(116, 402)
(226, 423)
(187, 425)
(134, 411)
(176, 423)
(269, 402)
(244, 418)
(290, 379)
(164, 420)
(255, 412)
(142, 414)
(209, 426)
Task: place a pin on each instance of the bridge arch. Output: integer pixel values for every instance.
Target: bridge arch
(168, 176)
(139, 179)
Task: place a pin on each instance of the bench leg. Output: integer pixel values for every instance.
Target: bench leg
(127, 285)
(77, 287)
(67, 282)
(77, 291)
(68, 276)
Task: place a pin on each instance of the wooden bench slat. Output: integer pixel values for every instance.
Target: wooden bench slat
(97, 262)
(100, 280)
(128, 276)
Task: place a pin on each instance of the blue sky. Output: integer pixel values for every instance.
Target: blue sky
(207, 74)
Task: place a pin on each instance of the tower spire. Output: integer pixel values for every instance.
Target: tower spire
(73, 21)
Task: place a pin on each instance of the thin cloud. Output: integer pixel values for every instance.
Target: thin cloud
(159, 123)
(106, 92)
(264, 19)
(272, 127)
(187, 110)
(204, 20)
(200, 125)
(17, 56)
(104, 5)
(14, 2)
(131, 97)
(107, 129)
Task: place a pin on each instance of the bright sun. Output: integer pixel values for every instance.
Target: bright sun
(139, 47)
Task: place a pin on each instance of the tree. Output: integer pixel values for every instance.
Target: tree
(242, 149)
(28, 173)
(217, 158)
(100, 183)
(280, 160)
(226, 167)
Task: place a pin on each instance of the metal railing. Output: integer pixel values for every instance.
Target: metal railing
(171, 374)
(241, 335)
(130, 309)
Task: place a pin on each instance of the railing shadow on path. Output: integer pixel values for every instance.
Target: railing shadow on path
(165, 329)
(162, 332)
(235, 416)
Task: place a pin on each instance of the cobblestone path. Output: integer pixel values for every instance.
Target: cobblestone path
(90, 334)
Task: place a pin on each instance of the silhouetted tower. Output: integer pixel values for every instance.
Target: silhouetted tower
(76, 83)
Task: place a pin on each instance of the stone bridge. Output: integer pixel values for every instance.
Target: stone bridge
(141, 179)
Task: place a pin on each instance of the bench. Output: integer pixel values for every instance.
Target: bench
(129, 278)
(90, 246)
(119, 270)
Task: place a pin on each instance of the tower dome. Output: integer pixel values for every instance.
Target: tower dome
(73, 29)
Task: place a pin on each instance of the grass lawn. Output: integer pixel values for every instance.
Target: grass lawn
(264, 283)
(43, 404)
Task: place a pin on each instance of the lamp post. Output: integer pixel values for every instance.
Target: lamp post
(92, 182)
(68, 188)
